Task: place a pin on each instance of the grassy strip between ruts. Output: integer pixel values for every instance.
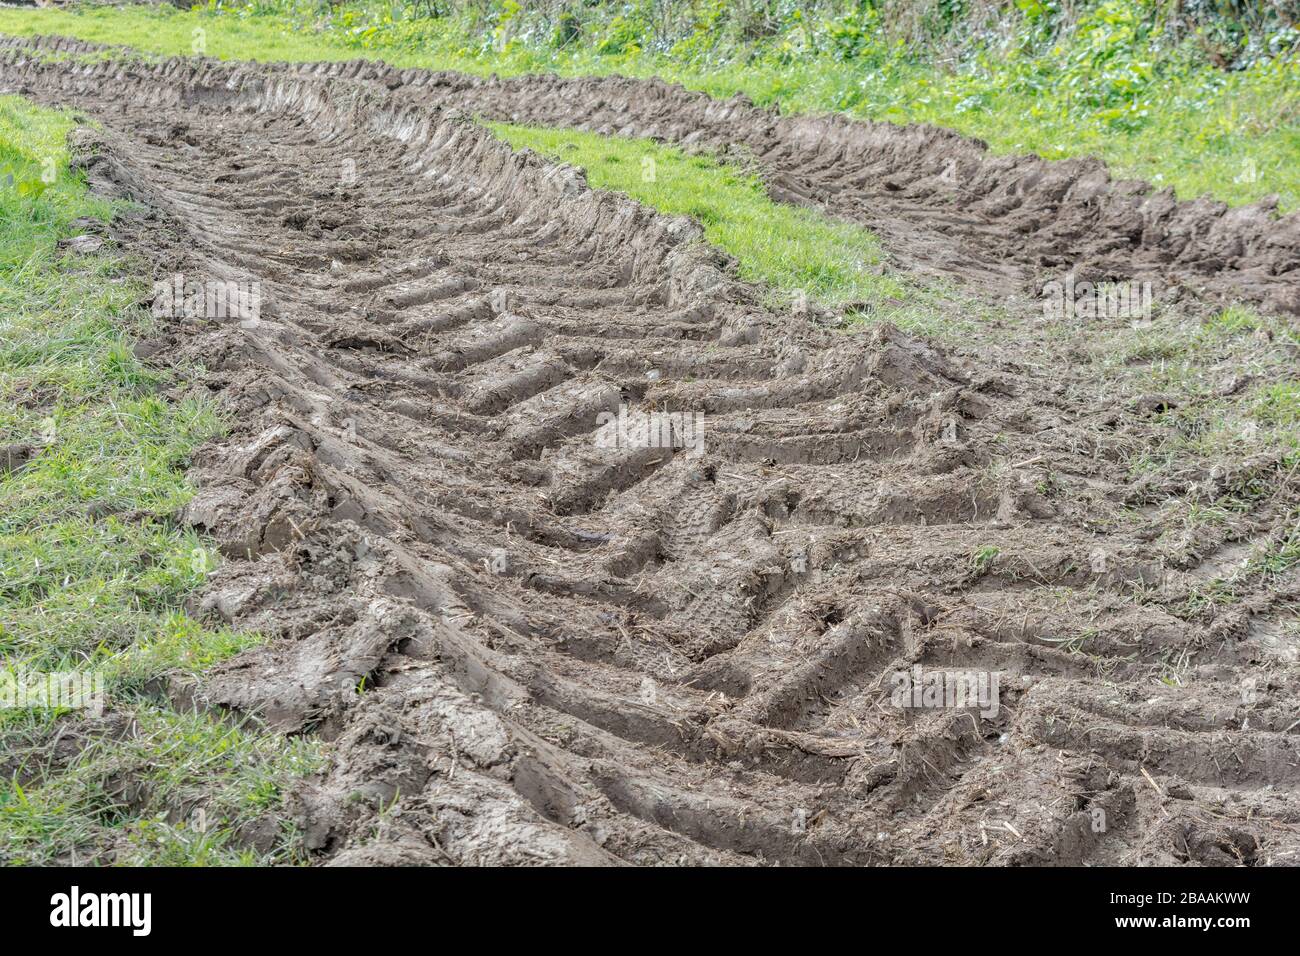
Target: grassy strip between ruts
(1146, 112)
(93, 571)
(786, 247)
(798, 256)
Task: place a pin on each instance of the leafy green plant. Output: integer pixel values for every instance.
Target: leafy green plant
(1206, 101)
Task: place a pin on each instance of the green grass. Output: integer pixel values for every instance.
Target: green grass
(1279, 404)
(1243, 320)
(93, 570)
(1104, 90)
(788, 248)
(168, 791)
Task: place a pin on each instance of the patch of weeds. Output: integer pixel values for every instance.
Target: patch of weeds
(1155, 346)
(1049, 485)
(1279, 557)
(1239, 320)
(1279, 404)
(154, 787)
(1282, 555)
(982, 560)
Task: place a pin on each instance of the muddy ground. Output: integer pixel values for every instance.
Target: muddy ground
(573, 653)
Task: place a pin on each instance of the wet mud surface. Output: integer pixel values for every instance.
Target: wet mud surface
(571, 650)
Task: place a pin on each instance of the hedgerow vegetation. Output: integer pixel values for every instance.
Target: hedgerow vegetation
(1199, 95)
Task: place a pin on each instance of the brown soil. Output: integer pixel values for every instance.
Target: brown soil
(576, 654)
